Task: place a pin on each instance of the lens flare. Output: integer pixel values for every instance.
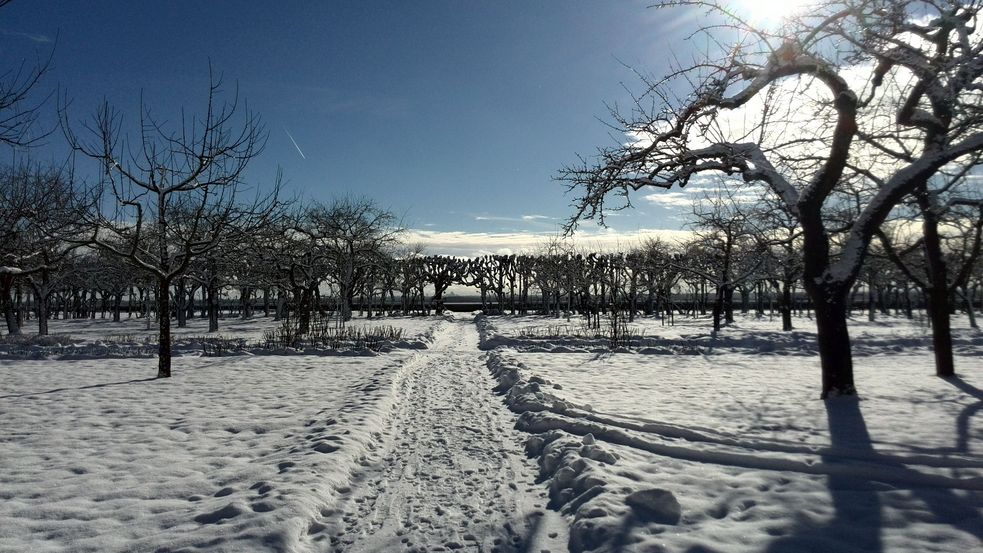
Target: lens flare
(771, 11)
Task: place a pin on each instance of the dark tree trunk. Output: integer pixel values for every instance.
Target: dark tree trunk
(830, 306)
(938, 312)
(871, 301)
(6, 285)
(43, 316)
(938, 292)
(305, 304)
(117, 305)
(164, 324)
(968, 300)
(42, 295)
(213, 307)
(190, 305)
(729, 304)
(281, 306)
(182, 314)
(246, 299)
(20, 308)
(786, 307)
(718, 306)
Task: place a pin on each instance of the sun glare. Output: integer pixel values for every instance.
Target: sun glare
(774, 11)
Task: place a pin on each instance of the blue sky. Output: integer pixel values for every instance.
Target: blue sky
(455, 115)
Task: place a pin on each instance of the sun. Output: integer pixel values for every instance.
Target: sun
(773, 11)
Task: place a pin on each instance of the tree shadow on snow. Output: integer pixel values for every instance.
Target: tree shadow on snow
(967, 414)
(857, 508)
(89, 387)
(857, 519)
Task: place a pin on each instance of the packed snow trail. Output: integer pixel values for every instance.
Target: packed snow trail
(453, 475)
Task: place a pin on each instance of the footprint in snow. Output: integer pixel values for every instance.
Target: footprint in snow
(325, 447)
(229, 511)
(261, 487)
(224, 492)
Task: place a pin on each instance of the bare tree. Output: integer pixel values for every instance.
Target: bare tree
(782, 241)
(352, 236)
(941, 260)
(40, 215)
(838, 71)
(175, 196)
(729, 245)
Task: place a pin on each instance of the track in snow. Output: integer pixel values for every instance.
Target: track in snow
(452, 475)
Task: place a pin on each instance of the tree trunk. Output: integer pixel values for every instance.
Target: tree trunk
(938, 312)
(938, 293)
(281, 306)
(213, 307)
(786, 306)
(117, 305)
(729, 304)
(246, 299)
(304, 306)
(718, 306)
(871, 308)
(164, 324)
(181, 307)
(6, 285)
(189, 309)
(830, 305)
(968, 299)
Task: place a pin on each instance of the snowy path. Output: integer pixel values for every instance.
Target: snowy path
(452, 475)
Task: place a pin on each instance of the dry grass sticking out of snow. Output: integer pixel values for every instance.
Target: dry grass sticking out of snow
(231, 454)
(694, 336)
(131, 337)
(729, 449)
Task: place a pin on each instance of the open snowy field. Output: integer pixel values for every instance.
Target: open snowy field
(744, 456)
(685, 442)
(407, 450)
(231, 454)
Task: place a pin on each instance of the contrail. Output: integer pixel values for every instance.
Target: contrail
(291, 137)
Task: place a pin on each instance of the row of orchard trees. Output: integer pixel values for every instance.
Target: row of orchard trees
(283, 270)
(301, 261)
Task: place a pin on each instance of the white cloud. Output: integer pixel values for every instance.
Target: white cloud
(473, 244)
(670, 199)
(704, 185)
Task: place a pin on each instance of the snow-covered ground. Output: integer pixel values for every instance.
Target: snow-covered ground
(231, 454)
(724, 446)
(407, 450)
(685, 442)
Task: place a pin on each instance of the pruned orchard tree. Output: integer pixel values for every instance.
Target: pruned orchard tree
(176, 195)
(352, 236)
(940, 260)
(731, 246)
(819, 89)
(40, 214)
